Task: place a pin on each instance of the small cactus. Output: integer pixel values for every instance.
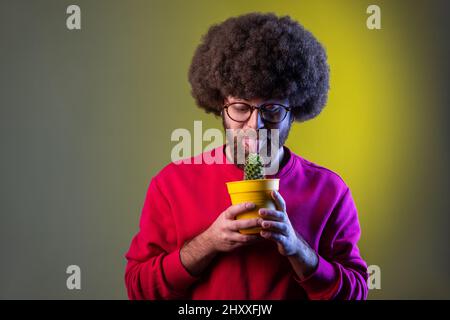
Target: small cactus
(253, 167)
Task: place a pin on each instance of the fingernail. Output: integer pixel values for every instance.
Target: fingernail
(262, 212)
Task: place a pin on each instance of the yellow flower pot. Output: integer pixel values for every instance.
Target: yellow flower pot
(255, 191)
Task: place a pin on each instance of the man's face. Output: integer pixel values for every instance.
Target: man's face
(241, 131)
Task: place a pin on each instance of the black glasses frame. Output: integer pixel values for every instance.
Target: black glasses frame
(259, 108)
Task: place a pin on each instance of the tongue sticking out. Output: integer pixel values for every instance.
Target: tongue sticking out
(252, 145)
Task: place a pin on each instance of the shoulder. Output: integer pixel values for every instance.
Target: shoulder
(321, 176)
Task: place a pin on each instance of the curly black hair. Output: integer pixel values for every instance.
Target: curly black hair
(260, 55)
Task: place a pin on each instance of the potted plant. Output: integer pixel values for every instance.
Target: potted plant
(254, 188)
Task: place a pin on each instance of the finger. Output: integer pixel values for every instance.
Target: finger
(270, 214)
(236, 209)
(272, 236)
(278, 227)
(243, 238)
(279, 201)
(236, 225)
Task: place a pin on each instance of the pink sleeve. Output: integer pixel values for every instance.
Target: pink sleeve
(154, 269)
(341, 272)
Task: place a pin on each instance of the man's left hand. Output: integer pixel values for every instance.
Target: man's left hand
(276, 226)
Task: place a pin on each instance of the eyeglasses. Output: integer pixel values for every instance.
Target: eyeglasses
(270, 112)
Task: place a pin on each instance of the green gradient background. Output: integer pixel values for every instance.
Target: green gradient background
(86, 118)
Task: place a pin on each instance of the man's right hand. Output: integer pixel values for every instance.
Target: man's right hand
(224, 235)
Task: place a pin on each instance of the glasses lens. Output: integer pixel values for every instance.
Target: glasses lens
(239, 111)
(273, 113)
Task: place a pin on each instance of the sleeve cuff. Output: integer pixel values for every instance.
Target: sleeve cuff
(176, 274)
(322, 283)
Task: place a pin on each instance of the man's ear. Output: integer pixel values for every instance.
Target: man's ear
(224, 101)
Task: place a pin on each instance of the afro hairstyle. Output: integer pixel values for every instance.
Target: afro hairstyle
(260, 56)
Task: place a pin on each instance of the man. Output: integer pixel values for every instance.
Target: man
(256, 71)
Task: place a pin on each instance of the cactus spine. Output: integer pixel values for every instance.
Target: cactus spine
(253, 167)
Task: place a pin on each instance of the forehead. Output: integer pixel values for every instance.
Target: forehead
(231, 99)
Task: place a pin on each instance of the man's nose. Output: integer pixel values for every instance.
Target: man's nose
(255, 122)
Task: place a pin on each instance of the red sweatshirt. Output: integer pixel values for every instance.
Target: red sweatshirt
(183, 200)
